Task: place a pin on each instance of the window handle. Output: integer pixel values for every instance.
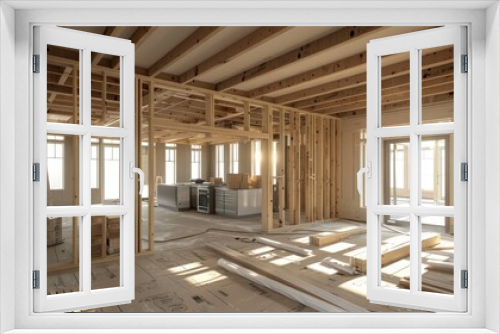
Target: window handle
(136, 170)
(368, 171)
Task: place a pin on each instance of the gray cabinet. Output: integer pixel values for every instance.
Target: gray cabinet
(176, 197)
(238, 202)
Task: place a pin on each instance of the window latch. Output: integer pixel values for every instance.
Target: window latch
(368, 171)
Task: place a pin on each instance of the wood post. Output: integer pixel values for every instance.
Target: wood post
(281, 167)
(296, 168)
(266, 170)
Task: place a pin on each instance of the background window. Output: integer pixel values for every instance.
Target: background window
(170, 155)
(195, 161)
(256, 157)
(234, 166)
(55, 162)
(219, 158)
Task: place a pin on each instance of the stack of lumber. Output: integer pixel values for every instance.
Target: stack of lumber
(395, 251)
(97, 235)
(327, 238)
(54, 231)
(113, 235)
(285, 277)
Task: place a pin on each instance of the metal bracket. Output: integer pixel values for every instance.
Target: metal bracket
(464, 171)
(36, 172)
(465, 64)
(464, 275)
(36, 63)
(36, 279)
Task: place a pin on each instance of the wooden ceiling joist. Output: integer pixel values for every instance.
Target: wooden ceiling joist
(349, 63)
(335, 39)
(401, 105)
(140, 35)
(112, 32)
(428, 88)
(197, 38)
(435, 64)
(247, 43)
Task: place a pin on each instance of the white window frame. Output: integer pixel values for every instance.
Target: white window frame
(414, 43)
(482, 316)
(122, 137)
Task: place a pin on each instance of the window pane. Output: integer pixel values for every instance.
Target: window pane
(395, 90)
(436, 170)
(94, 167)
(63, 273)
(63, 83)
(105, 92)
(395, 254)
(437, 254)
(63, 172)
(107, 173)
(437, 85)
(396, 170)
(105, 241)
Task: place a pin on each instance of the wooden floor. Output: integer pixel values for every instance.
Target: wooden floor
(183, 276)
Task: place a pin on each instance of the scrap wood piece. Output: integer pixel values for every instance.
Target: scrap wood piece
(323, 239)
(299, 296)
(284, 276)
(343, 267)
(428, 285)
(281, 245)
(440, 265)
(394, 252)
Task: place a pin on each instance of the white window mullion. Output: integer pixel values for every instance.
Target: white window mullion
(85, 110)
(414, 170)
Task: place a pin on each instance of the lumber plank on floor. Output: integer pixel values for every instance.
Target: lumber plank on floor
(284, 276)
(327, 238)
(395, 252)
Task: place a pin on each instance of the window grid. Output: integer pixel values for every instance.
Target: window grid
(234, 154)
(170, 158)
(219, 158)
(195, 161)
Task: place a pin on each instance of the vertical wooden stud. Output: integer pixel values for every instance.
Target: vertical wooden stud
(266, 170)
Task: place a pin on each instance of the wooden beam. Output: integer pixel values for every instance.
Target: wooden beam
(436, 65)
(246, 116)
(176, 126)
(140, 35)
(336, 39)
(247, 43)
(400, 105)
(281, 168)
(267, 169)
(297, 142)
(328, 238)
(112, 32)
(197, 38)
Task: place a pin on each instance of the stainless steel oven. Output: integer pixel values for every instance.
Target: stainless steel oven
(206, 199)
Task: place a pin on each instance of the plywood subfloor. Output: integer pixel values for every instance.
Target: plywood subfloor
(183, 276)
